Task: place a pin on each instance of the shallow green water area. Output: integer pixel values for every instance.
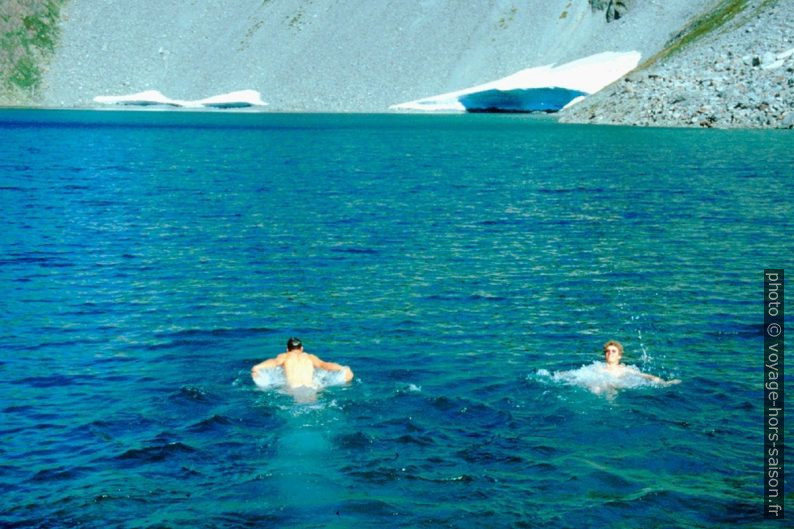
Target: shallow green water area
(149, 259)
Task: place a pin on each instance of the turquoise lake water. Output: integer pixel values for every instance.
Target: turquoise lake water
(461, 265)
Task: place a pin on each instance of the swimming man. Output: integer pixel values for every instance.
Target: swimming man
(299, 366)
(613, 353)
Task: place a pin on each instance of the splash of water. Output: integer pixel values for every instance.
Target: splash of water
(645, 356)
(598, 379)
(273, 378)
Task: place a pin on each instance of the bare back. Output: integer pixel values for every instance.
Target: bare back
(299, 369)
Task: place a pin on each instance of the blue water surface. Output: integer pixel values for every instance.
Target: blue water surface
(149, 259)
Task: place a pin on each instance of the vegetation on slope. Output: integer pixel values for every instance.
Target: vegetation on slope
(28, 34)
(710, 21)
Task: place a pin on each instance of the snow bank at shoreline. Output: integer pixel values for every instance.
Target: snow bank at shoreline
(587, 75)
(238, 99)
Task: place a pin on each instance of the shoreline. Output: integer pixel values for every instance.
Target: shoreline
(538, 116)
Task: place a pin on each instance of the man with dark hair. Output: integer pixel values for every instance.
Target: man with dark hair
(299, 366)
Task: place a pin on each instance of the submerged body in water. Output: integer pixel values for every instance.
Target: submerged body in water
(600, 379)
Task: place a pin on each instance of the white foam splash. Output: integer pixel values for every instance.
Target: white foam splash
(598, 379)
(268, 378)
(645, 357)
(274, 379)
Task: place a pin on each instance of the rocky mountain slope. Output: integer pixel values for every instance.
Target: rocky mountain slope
(334, 55)
(739, 75)
(723, 63)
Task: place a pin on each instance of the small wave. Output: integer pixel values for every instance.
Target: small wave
(175, 344)
(15, 168)
(36, 258)
(242, 519)
(355, 441)
(421, 440)
(22, 408)
(460, 478)
(201, 337)
(369, 508)
(210, 424)
(485, 453)
(444, 297)
(157, 453)
(55, 380)
(544, 468)
(353, 250)
(114, 427)
(191, 393)
(222, 332)
(485, 296)
(555, 191)
(56, 474)
(378, 476)
(726, 327)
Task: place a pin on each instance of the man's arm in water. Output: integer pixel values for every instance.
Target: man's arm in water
(658, 380)
(272, 362)
(332, 366)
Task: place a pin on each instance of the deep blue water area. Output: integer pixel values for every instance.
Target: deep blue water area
(149, 259)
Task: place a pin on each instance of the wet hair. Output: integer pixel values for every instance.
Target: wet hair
(616, 344)
(294, 343)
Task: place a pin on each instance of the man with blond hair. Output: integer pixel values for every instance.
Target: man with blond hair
(613, 354)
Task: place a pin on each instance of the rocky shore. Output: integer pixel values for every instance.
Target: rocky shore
(739, 76)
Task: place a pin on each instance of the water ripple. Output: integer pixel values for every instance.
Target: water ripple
(446, 259)
(157, 453)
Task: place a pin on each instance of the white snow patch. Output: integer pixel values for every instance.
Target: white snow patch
(238, 99)
(589, 74)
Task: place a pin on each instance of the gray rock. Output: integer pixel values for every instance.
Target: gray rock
(714, 82)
